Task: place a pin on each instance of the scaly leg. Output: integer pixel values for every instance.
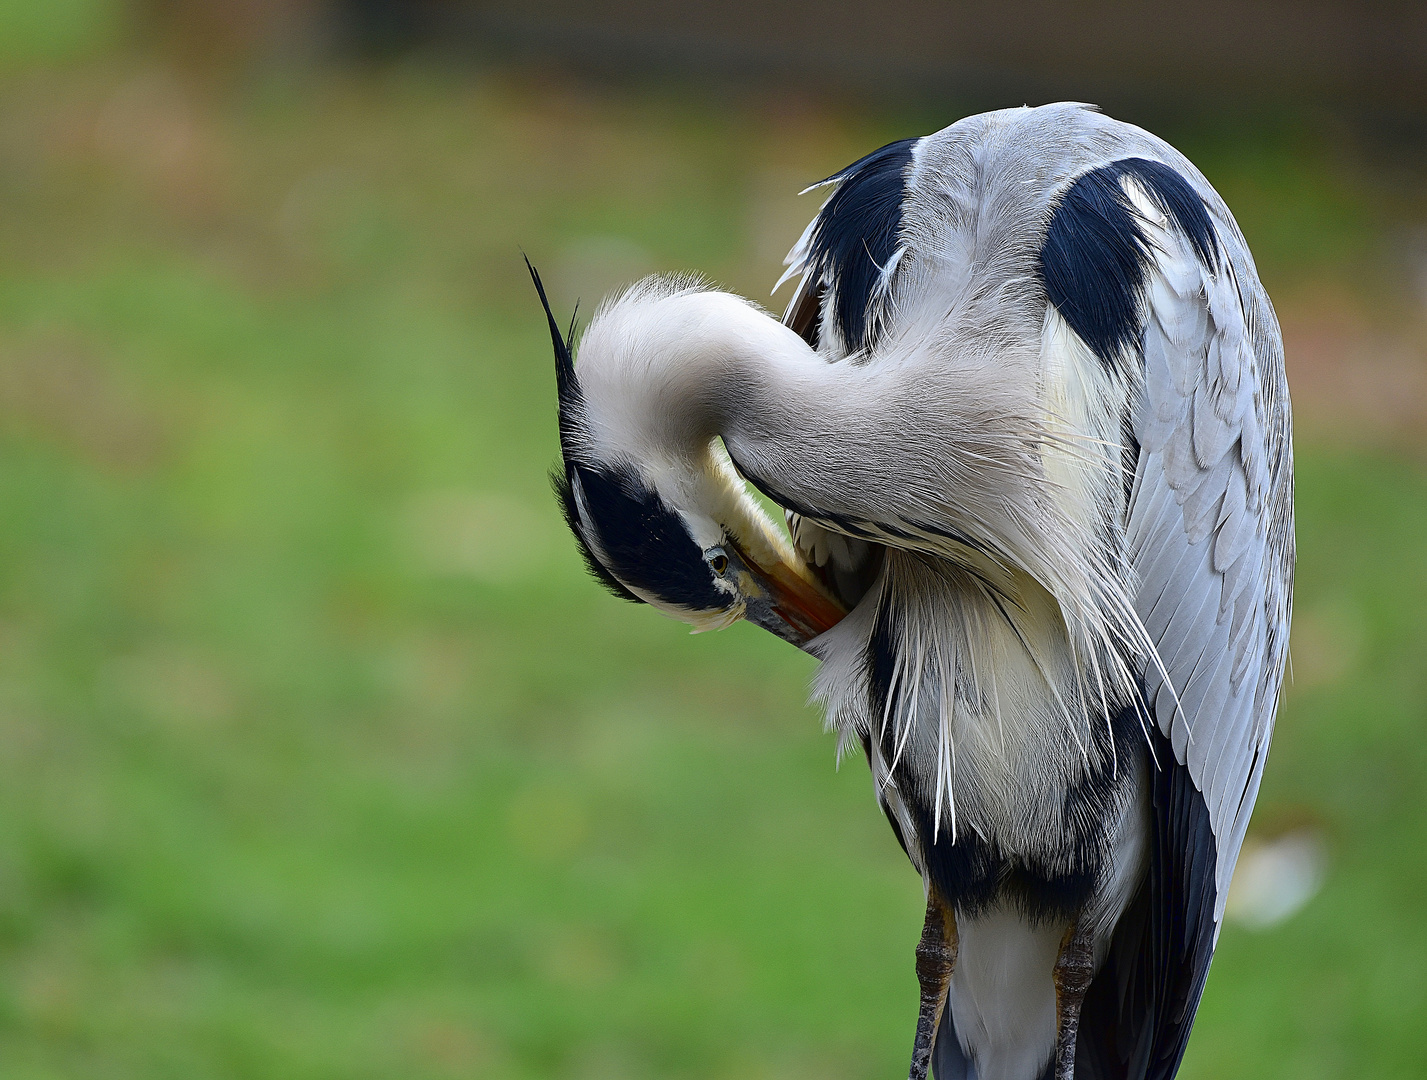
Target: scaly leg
(1074, 968)
(936, 959)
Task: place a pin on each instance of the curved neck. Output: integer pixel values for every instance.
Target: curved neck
(664, 374)
(924, 448)
(913, 437)
(662, 377)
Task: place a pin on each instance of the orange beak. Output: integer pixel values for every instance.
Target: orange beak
(794, 607)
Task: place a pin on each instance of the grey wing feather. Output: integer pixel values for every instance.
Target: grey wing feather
(1210, 526)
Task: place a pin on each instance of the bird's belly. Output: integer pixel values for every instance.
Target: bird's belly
(1011, 777)
(1026, 760)
(990, 751)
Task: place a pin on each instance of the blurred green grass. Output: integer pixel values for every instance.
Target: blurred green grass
(319, 755)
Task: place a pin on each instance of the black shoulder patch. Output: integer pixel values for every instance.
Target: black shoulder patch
(1092, 264)
(1093, 259)
(857, 233)
(1173, 194)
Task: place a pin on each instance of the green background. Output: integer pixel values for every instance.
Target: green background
(319, 754)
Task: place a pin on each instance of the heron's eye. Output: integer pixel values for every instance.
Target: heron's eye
(718, 560)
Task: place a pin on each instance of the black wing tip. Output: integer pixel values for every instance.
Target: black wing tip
(1140, 1009)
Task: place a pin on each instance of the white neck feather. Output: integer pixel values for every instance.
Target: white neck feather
(662, 375)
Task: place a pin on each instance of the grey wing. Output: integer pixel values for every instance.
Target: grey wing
(1210, 539)
(1210, 518)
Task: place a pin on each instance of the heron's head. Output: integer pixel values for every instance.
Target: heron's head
(660, 514)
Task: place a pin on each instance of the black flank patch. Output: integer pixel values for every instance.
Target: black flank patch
(1094, 255)
(1139, 1010)
(857, 232)
(1044, 899)
(968, 873)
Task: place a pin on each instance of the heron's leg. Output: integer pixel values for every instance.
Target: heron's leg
(936, 959)
(1074, 968)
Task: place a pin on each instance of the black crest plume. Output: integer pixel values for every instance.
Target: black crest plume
(566, 385)
(567, 388)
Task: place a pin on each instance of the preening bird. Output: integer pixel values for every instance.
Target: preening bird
(1027, 415)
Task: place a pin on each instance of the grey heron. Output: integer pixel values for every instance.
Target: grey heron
(1027, 416)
